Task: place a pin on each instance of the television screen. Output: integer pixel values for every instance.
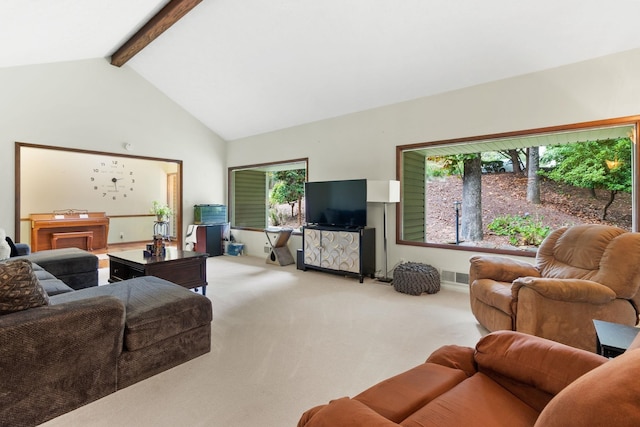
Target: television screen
(336, 203)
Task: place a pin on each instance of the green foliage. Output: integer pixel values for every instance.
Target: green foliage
(161, 210)
(521, 230)
(275, 218)
(584, 164)
(453, 164)
(435, 170)
(288, 187)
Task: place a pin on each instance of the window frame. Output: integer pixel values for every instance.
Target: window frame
(631, 121)
(268, 166)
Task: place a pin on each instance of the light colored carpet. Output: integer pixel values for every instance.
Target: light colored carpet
(284, 340)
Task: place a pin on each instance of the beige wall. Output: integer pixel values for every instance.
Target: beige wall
(362, 145)
(94, 106)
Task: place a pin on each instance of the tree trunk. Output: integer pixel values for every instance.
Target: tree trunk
(533, 179)
(299, 211)
(515, 159)
(612, 197)
(471, 228)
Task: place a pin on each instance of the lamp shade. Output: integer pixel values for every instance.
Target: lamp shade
(383, 191)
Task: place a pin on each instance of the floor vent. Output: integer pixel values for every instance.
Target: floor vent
(453, 277)
(462, 278)
(448, 276)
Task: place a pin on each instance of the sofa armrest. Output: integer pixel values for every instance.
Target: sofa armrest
(344, 412)
(569, 290)
(56, 358)
(456, 357)
(498, 268)
(543, 364)
(23, 249)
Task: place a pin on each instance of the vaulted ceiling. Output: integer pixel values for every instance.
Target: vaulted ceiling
(245, 67)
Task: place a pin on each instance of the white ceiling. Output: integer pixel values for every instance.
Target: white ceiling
(245, 67)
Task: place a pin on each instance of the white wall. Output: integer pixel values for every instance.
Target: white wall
(363, 145)
(94, 106)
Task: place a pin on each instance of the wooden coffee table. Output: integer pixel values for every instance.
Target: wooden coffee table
(185, 268)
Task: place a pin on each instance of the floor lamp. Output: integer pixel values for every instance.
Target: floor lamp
(384, 192)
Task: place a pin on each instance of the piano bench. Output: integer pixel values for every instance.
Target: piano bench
(72, 235)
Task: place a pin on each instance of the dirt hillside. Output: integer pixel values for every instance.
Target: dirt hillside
(505, 194)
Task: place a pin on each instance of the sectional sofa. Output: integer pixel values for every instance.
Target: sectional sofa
(66, 343)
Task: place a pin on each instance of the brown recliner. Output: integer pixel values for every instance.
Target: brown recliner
(582, 273)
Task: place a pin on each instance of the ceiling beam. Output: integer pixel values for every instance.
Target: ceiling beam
(169, 15)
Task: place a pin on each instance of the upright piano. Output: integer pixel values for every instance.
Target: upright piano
(62, 229)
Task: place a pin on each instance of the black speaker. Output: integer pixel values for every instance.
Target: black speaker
(300, 259)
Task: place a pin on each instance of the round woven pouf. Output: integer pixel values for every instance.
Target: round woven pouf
(414, 278)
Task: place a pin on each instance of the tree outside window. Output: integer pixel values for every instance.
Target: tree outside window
(288, 189)
(257, 194)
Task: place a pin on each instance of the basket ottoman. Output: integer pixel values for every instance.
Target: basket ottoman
(414, 278)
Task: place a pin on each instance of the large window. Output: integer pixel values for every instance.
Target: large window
(504, 193)
(267, 195)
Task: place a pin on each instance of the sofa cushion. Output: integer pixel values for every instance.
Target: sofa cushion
(541, 363)
(456, 357)
(399, 396)
(5, 249)
(607, 396)
(344, 412)
(156, 309)
(477, 401)
(494, 294)
(65, 261)
(75, 267)
(51, 284)
(14, 249)
(19, 287)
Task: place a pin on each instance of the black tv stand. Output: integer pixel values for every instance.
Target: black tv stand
(334, 227)
(343, 250)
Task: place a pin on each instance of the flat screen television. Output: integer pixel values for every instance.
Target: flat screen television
(336, 203)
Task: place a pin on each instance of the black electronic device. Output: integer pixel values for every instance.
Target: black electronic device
(336, 203)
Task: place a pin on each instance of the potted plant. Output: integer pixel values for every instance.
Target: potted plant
(162, 211)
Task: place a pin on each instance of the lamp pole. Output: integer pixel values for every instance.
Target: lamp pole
(386, 278)
(456, 205)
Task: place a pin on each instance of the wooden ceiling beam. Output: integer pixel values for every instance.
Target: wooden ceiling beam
(169, 15)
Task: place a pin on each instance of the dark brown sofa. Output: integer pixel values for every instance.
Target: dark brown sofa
(85, 344)
(510, 379)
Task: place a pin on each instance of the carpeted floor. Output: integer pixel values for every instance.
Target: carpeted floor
(284, 340)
